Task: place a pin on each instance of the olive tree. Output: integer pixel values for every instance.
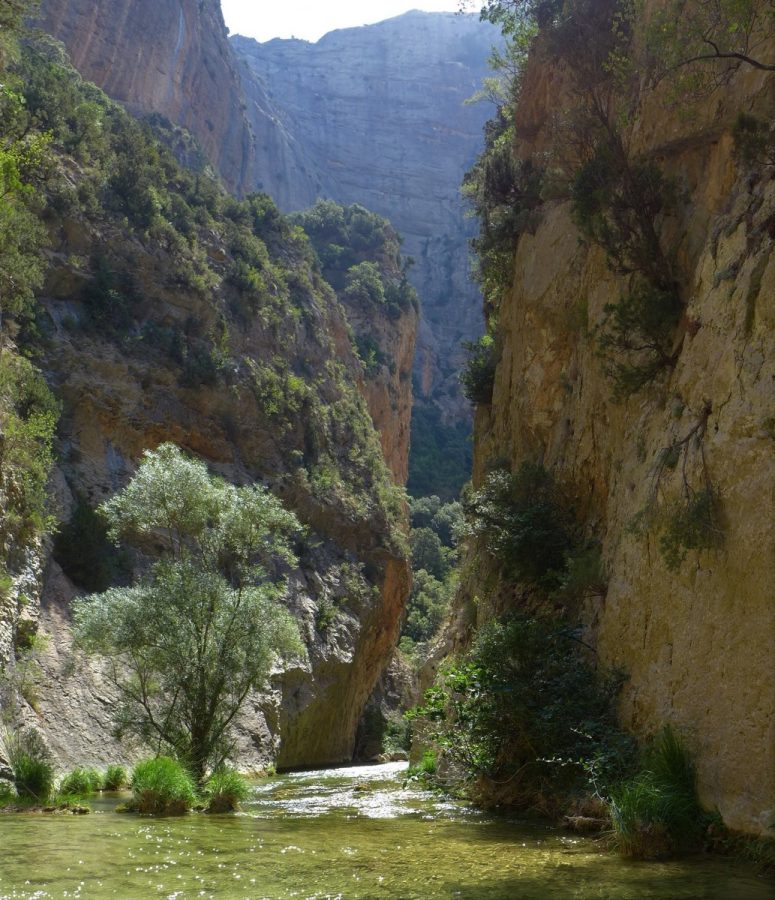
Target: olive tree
(202, 625)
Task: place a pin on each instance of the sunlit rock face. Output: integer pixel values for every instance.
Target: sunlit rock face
(696, 643)
(163, 56)
(376, 115)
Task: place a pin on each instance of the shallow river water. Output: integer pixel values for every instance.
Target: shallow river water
(343, 833)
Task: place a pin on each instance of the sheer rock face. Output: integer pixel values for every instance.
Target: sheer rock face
(376, 116)
(163, 56)
(696, 643)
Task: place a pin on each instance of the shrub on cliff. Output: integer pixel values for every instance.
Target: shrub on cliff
(202, 626)
(523, 717)
(478, 376)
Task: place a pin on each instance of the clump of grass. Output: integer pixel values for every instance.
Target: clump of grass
(225, 790)
(81, 782)
(425, 768)
(657, 813)
(30, 759)
(161, 787)
(115, 778)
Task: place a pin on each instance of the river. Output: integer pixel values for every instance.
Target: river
(340, 833)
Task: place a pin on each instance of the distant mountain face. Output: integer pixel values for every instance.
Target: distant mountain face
(376, 115)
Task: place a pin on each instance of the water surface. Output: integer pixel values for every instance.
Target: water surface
(343, 833)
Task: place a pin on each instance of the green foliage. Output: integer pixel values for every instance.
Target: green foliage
(754, 141)
(359, 255)
(31, 763)
(202, 626)
(28, 415)
(161, 787)
(524, 524)
(428, 606)
(440, 456)
(636, 335)
(478, 376)
(325, 615)
(108, 300)
(690, 524)
(428, 553)
(115, 778)
(525, 709)
(87, 557)
(657, 813)
(425, 770)
(224, 790)
(699, 46)
(81, 782)
(504, 194)
(615, 204)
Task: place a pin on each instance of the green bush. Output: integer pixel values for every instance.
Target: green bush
(478, 376)
(523, 718)
(81, 782)
(161, 787)
(225, 790)
(30, 759)
(524, 524)
(692, 524)
(658, 813)
(115, 778)
(636, 334)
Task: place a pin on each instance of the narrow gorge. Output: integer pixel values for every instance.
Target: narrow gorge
(401, 400)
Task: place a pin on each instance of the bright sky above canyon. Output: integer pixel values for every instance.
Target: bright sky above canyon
(311, 19)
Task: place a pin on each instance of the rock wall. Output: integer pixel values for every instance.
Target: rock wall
(696, 643)
(375, 115)
(164, 56)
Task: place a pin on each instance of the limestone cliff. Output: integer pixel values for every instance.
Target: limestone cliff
(171, 58)
(697, 642)
(375, 115)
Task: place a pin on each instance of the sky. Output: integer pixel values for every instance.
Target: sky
(311, 19)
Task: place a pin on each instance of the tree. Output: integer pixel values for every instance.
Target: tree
(202, 626)
(711, 39)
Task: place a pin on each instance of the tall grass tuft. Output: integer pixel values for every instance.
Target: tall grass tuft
(81, 782)
(161, 787)
(225, 790)
(33, 771)
(658, 814)
(115, 778)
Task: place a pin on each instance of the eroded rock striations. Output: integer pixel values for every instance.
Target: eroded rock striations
(696, 643)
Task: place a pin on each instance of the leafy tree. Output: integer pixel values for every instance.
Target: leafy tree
(428, 606)
(704, 42)
(428, 552)
(201, 627)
